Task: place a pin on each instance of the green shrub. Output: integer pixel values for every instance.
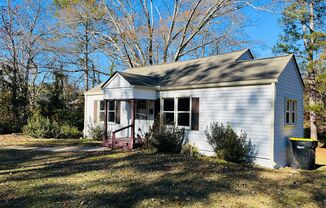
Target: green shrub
(67, 131)
(190, 150)
(40, 127)
(96, 132)
(166, 138)
(228, 145)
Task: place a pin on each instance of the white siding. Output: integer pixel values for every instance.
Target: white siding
(117, 82)
(118, 88)
(288, 86)
(89, 116)
(89, 111)
(246, 108)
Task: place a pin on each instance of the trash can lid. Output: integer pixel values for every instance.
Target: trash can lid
(303, 139)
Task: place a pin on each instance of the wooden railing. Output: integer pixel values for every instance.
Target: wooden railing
(121, 129)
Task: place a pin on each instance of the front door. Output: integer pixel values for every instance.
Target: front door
(144, 117)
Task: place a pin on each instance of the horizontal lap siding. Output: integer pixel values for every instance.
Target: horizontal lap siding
(89, 116)
(89, 111)
(288, 86)
(246, 108)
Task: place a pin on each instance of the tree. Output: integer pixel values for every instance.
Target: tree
(77, 19)
(303, 23)
(145, 32)
(22, 34)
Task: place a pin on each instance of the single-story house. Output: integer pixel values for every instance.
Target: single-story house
(263, 97)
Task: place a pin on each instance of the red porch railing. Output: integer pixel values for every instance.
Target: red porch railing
(132, 125)
(121, 129)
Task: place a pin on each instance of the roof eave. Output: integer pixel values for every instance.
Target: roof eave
(220, 84)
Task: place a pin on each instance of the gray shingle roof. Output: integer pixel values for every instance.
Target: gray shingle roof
(140, 80)
(215, 69)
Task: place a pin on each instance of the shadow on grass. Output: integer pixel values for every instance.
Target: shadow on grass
(134, 179)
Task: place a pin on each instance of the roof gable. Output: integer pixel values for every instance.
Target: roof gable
(116, 81)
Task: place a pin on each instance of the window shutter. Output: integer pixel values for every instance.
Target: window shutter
(117, 112)
(195, 114)
(156, 108)
(95, 110)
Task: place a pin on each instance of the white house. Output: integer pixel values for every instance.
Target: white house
(263, 97)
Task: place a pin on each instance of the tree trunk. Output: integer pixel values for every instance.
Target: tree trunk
(312, 81)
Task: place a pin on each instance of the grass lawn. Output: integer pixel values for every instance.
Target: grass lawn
(20, 140)
(138, 179)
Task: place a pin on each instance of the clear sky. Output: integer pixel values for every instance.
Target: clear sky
(264, 30)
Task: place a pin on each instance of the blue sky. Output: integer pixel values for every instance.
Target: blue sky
(264, 29)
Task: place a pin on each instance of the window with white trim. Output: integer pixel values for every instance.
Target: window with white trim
(168, 111)
(290, 112)
(177, 111)
(101, 110)
(111, 111)
(183, 112)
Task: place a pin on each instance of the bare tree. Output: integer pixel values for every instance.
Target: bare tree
(75, 41)
(22, 37)
(143, 32)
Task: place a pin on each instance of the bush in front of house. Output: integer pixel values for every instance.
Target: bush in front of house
(230, 146)
(96, 132)
(165, 138)
(39, 126)
(68, 132)
(190, 150)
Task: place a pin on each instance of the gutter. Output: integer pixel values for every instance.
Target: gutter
(220, 84)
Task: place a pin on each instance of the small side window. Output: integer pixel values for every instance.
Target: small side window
(290, 112)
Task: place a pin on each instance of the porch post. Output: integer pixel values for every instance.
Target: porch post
(133, 107)
(106, 119)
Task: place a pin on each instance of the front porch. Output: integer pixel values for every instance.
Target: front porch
(133, 119)
(133, 97)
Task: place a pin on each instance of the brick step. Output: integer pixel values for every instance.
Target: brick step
(123, 143)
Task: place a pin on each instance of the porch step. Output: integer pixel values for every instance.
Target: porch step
(123, 143)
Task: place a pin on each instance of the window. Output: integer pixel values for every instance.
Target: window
(101, 111)
(168, 110)
(180, 114)
(183, 112)
(290, 112)
(141, 111)
(111, 111)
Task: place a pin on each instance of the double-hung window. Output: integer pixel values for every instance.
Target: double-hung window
(177, 111)
(101, 110)
(183, 112)
(168, 111)
(290, 112)
(111, 111)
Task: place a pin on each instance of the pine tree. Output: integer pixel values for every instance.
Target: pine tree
(303, 23)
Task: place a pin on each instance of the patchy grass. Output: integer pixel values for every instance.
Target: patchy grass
(138, 179)
(20, 140)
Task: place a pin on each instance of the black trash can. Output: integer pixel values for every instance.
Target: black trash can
(304, 152)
